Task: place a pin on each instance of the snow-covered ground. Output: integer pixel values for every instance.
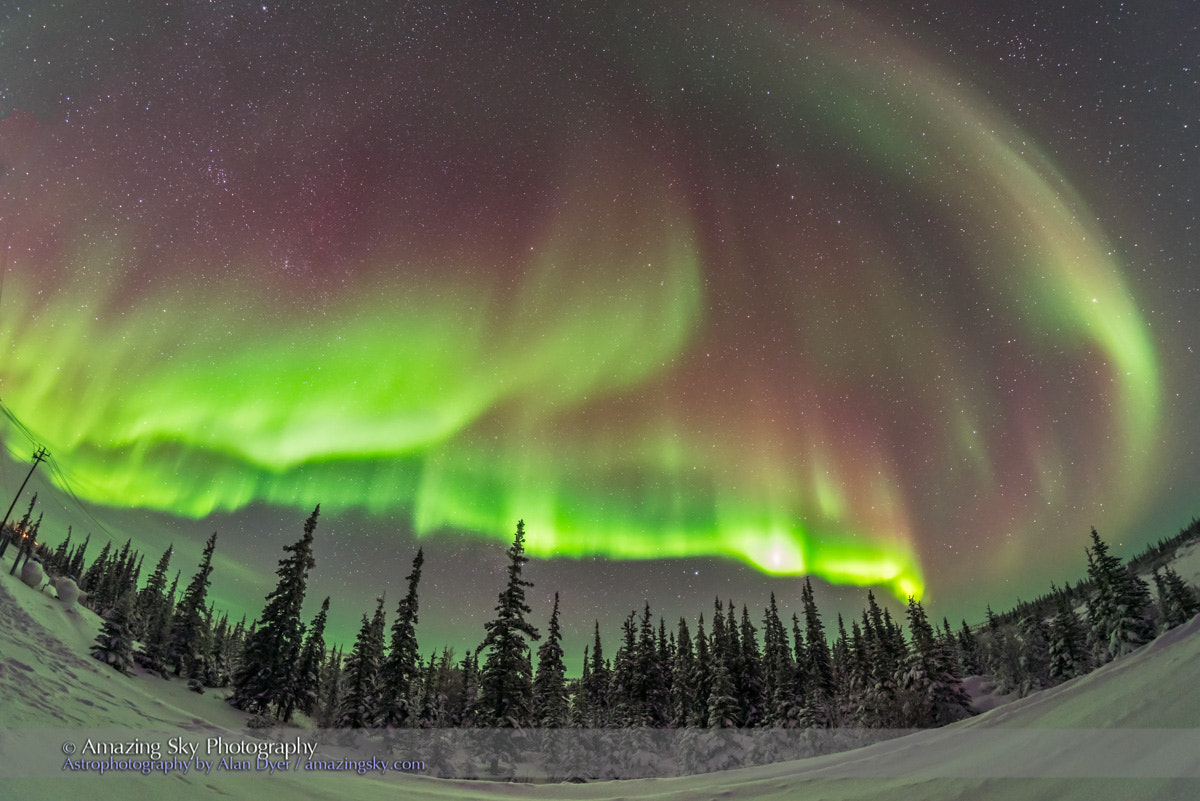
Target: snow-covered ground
(1130, 730)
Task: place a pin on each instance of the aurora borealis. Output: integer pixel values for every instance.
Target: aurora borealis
(798, 288)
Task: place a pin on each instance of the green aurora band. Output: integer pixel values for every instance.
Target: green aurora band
(591, 381)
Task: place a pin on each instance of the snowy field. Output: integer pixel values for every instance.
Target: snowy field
(1130, 730)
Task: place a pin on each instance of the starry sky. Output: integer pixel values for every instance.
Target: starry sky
(712, 295)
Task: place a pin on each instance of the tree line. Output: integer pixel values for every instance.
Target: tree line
(736, 670)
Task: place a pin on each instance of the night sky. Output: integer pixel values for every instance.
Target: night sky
(713, 295)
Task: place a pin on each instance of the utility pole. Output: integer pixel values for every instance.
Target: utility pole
(37, 459)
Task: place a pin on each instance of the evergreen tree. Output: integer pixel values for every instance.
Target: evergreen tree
(751, 684)
(817, 659)
(402, 665)
(777, 667)
(61, 561)
(114, 644)
(1119, 610)
(1034, 638)
(549, 685)
(623, 688)
(305, 690)
(331, 690)
(359, 704)
(468, 713)
(266, 680)
(1177, 601)
(596, 686)
(75, 570)
(724, 655)
(91, 579)
(881, 706)
(506, 684)
(650, 684)
(189, 641)
(1068, 656)
(932, 690)
(683, 685)
(968, 651)
(703, 684)
(152, 597)
(723, 707)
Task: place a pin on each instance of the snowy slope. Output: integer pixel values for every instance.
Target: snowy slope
(1129, 730)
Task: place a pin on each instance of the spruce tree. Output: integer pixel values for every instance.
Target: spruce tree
(506, 685)
(330, 699)
(777, 666)
(931, 689)
(401, 667)
(723, 709)
(623, 696)
(683, 684)
(650, 686)
(596, 686)
(91, 579)
(750, 685)
(75, 567)
(1177, 601)
(360, 700)
(1067, 645)
(820, 695)
(968, 651)
(264, 681)
(114, 644)
(152, 597)
(702, 687)
(305, 690)
(1119, 609)
(1034, 637)
(189, 640)
(549, 687)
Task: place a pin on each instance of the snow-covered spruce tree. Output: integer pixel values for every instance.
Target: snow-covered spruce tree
(968, 651)
(880, 703)
(596, 687)
(1119, 612)
(114, 644)
(818, 664)
(331, 691)
(724, 658)
(1033, 637)
(306, 688)
(651, 687)
(930, 687)
(402, 665)
(75, 564)
(1177, 601)
(91, 579)
(264, 681)
(623, 703)
(776, 663)
(467, 713)
(1067, 644)
(152, 597)
(702, 688)
(723, 708)
(506, 686)
(116, 579)
(549, 683)
(750, 685)
(60, 562)
(683, 684)
(360, 697)
(189, 643)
